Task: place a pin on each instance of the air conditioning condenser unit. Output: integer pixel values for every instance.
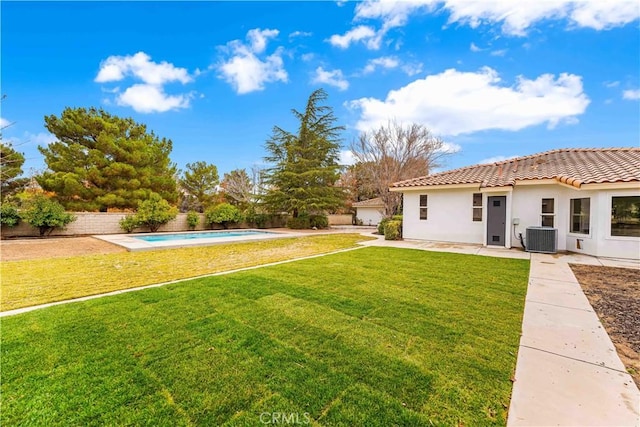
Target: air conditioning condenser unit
(542, 239)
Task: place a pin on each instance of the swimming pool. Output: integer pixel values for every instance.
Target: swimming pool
(201, 235)
(146, 242)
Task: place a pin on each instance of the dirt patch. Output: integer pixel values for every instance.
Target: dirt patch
(614, 293)
(54, 247)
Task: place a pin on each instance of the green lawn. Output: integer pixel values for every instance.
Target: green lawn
(375, 337)
(33, 282)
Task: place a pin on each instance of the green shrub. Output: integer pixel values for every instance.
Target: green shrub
(399, 219)
(392, 230)
(45, 214)
(319, 221)
(382, 224)
(9, 215)
(223, 213)
(301, 222)
(129, 223)
(193, 219)
(154, 212)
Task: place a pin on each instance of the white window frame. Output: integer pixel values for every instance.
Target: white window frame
(424, 207)
(572, 214)
(478, 208)
(548, 214)
(610, 234)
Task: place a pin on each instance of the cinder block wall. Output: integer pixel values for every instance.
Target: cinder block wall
(345, 219)
(88, 223)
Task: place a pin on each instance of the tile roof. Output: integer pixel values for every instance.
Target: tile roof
(571, 166)
(371, 203)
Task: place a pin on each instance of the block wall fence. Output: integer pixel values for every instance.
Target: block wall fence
(89, 223)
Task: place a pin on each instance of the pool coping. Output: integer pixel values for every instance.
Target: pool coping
(131, 244)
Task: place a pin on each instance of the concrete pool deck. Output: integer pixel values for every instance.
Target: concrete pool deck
(132, 244)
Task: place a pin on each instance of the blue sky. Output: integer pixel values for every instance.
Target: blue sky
(493, 79)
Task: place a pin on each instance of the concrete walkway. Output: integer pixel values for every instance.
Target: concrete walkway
(568, 372)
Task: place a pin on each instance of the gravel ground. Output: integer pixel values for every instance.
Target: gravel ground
(614, 293)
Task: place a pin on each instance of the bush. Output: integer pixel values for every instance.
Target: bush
(154, 212)
(45, 214)
(224, 214)
(9, 215)
(129, 223)
(382, 224)
(306, 221)
(393, 230)
(193, 219)
(301, 222)
(399, 219)
(319, 221)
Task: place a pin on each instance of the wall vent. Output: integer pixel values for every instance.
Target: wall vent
(542, 239)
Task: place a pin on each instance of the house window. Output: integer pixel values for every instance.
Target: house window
(548, 212)
(477, 206)
(580, 209)
(423, 206)
(625, 216)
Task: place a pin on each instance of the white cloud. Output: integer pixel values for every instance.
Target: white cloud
(40, 138)
(4, 122)
(412, 69)
(499, 52)
(454, 102)
(475, 48)
(495, 159)
(360, 33)
(514, 17)
(332, 78)
(140, 65)
(29, 138)
(347, 158)
(245, 70)
(148, 96)
(631, 94)
(387, 62)
(259, 38)
(612, 84)
(145, 98)
(300, 34)
(306, 57)
(450, 147)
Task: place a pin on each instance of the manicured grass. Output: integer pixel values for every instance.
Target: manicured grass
(33, 282)
(375, 337)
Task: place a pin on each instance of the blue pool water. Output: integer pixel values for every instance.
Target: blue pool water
(205, 235)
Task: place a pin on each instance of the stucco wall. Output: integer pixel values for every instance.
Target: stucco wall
(449, 216)
(370, 216)
(599, 242)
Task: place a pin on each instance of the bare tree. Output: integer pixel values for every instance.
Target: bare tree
(238, 187)
(396, 152)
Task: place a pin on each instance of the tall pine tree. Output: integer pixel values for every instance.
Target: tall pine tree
(100, 161)
(305, 164)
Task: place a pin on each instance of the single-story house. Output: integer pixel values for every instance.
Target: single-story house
(370, 212)
(591, 197)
